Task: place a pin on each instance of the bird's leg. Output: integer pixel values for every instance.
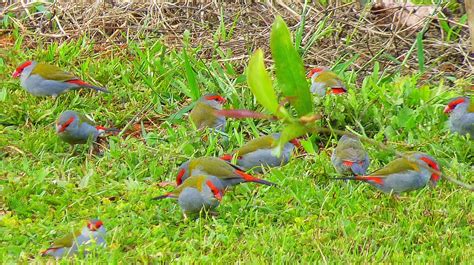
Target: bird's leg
(213, 213)
(185, 216)
(397, 197)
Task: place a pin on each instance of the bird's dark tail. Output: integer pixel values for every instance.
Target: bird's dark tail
(107, 130)
(345, 178)
(164, 196)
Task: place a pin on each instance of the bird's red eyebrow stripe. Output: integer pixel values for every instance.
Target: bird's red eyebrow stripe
(69, 121)
(179, 177)
(23, 66)
(454, 103)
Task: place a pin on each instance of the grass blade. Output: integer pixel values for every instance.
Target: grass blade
(420, 53)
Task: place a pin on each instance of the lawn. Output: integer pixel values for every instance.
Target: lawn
(46, 191)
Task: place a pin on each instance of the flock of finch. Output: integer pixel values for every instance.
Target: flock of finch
(201, 182)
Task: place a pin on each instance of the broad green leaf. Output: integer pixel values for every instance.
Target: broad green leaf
(191, 77)
(290, 132)
(260, 83)
(289, 69)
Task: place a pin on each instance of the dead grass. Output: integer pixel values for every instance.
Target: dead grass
(373, 35)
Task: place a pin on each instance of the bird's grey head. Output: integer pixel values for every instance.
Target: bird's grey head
(24, 70)
(183, 172)
(214, 100)
(313, 73)
(428, 161)
(95, 225)
(455, 102)
(67, 120)
(213, 188)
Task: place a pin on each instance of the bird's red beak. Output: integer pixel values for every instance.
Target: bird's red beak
(60, 128)
(448, 109)
(16, 74)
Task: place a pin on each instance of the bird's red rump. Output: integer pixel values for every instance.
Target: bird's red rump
(226, 157)
(377, 180)
(78, 82)
(246, 176)
(347, 163)
(44, 252)
(296, 142)
(98, 127)
(338, 90)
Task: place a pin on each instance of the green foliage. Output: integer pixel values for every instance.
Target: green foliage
(260, 83)
(290, 71)
(45, 191)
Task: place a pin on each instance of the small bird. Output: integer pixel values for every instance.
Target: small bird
(203, 114)
(41, 79)
(322, 79)
(261, 151)
(461, 116)
(406, 173)
(350, 157)
(75, 128)
(229, 174)
(197, 193)
(92, 233)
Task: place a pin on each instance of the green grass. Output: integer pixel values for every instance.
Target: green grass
(46, 192)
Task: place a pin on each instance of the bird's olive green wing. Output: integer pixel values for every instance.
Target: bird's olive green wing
(328, 77)
(52, 72)
(67, 240)
(84, 118)
(264, 142)
(396, 166)
(214, 166)
(470, 108)
(191, 182)
(202, 115)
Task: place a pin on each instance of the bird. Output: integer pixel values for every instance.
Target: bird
(228, 173)
(197, 193)
(349, 156)
(75, 128)
(41, 79)
(261, 151)
(461, 116)
(407, 173)
(203, 114)
(322, 79)
(93, 233)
